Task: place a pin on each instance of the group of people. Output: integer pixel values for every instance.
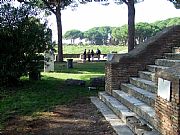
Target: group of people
(90, 55)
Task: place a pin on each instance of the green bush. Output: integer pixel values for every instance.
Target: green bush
(22, 41)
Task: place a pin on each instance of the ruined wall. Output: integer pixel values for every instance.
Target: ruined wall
(121, 67)
(168, 112)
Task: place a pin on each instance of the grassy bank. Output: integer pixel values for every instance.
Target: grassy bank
(105, 49)
(33, 97)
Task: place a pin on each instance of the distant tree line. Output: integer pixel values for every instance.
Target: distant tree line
(119, 35)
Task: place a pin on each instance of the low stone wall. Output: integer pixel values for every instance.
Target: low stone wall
(102, 56)
(97, 82)
(69, 55)
(120, 67)
(78, 56)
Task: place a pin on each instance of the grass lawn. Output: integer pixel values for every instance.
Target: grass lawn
(38, 96)
(105, 49)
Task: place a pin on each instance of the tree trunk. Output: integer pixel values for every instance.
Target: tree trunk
(131, 25)
(59, 28)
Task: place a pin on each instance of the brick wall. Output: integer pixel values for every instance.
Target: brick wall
(121, 67)
(168, 112)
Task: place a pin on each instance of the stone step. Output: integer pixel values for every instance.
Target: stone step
(141, 94)
(120, 110)
(140, 108)
(166, 62)
(147, 75)
(176, 50)
(117, 124)
(134, 122)
(144, 84)
(155, 68)
(172, 56)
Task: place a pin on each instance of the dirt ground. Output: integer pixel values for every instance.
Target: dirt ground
(79, 118)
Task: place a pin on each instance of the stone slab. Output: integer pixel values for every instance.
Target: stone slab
(118, 125)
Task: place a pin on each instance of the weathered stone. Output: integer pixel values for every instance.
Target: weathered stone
(137, 125)
(75, 82)
(121, 67)
(97, 82)
(48, 61)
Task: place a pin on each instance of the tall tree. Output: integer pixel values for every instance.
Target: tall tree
(131, 18)
(131, 21)
(55, 7)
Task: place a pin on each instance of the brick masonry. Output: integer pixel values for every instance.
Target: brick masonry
(121, 67)
(168, 113)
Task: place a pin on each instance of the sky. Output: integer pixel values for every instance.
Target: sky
(94, 15)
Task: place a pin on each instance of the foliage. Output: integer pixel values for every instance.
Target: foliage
(105, 33)
(49, 5)
(55, 7)
(73, 34)
(131, 17)
(94, 36)
(144, 31)
(168, 22)
(44, 95)
(176, 3)
(23, 38)
(119, 35)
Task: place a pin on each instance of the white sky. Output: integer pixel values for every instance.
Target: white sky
(93, 15)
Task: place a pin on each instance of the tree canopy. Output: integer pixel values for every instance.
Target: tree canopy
(176, 3)
(54, 7)
(131, 17)
(119, 35)
(73, 34)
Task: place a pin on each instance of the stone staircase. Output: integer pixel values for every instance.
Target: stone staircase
(135, 101)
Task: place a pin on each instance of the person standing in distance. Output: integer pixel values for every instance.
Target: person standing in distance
(98, 52)
(84, 56)
(92, 55)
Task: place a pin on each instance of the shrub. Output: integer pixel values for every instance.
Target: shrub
(23, 40)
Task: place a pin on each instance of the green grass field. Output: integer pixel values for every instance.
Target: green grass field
(38, 96)
(105, 49)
